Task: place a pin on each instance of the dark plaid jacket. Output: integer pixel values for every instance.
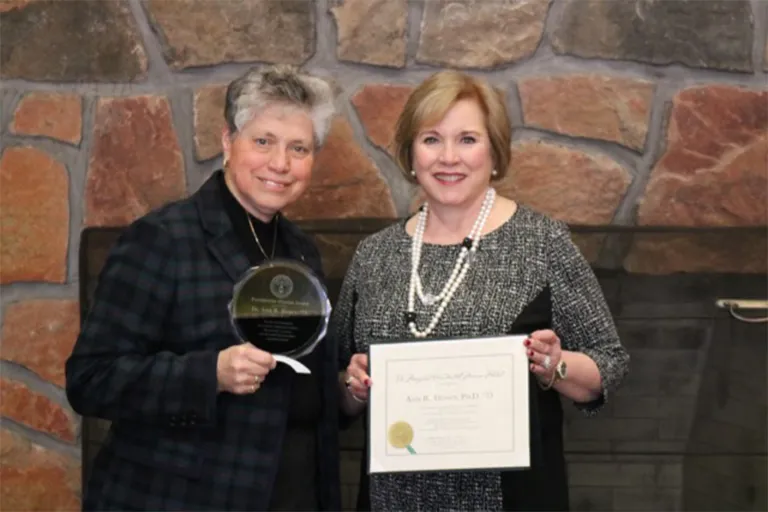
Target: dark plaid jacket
(146, 360)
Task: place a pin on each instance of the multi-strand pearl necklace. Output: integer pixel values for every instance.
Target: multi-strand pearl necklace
(463, 261)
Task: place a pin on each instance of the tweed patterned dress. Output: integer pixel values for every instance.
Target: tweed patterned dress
(513, 264)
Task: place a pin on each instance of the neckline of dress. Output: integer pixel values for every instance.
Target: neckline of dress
(488, 237)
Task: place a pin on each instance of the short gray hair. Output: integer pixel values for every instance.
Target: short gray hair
(283, 85)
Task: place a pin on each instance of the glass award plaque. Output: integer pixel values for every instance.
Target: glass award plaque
(281, 307)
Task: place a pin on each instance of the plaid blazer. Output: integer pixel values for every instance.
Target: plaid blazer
(146, 360)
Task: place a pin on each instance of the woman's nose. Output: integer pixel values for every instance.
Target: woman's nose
(279, 161)
(448, 153)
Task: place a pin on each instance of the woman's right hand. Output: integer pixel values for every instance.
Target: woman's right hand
(241, 369)
(357, 379)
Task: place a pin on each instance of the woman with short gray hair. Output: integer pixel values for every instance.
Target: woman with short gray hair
(251, 92)
(200, 418)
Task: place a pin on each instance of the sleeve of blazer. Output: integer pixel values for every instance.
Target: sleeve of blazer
(342, 323)
(119, 368)
(581, 316)
(341, 329)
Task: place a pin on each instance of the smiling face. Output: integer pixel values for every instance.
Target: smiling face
(269, 161)
(452, 158)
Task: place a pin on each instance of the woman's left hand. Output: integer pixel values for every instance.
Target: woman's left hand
(544, 351)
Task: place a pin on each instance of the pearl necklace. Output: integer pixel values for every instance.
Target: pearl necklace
(463, 261)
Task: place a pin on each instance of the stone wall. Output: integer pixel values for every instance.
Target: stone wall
(630, 112)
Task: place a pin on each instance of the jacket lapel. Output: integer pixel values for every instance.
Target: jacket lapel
(222, 239)
(226, 249)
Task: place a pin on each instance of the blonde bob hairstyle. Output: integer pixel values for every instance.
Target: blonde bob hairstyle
(432, 99)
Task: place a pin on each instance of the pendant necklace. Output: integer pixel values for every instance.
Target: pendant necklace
(463, 261)
(258, 242)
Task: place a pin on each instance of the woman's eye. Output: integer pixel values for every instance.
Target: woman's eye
(468, 140)
(429, 140)
(261, 141)
(300, 151)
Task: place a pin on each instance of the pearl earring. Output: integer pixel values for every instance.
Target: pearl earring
(413, 174)
(494, 173)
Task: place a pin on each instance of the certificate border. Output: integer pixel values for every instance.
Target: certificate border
(500, 469)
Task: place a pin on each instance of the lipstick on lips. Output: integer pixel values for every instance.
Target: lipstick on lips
(449, 178)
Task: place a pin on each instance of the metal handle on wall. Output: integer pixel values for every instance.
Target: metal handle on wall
(744, 304)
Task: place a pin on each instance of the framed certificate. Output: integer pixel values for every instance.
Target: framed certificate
(449, 405)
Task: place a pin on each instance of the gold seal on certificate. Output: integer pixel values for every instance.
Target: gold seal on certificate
(281, 307)
(401, 436)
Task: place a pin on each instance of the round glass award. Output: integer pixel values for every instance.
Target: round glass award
(281, 307)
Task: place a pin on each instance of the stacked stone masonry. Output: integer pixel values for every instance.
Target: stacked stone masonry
(629, 113)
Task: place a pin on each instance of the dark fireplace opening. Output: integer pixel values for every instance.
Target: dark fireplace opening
(687, 430)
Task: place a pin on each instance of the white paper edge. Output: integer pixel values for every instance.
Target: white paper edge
(297, 366)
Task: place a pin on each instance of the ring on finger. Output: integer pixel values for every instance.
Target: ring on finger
(547, 362)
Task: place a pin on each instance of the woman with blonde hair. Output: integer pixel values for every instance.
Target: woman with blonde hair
(466, 265)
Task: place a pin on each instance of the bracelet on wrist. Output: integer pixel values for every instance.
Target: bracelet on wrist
(559, 373)
(549, 384)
